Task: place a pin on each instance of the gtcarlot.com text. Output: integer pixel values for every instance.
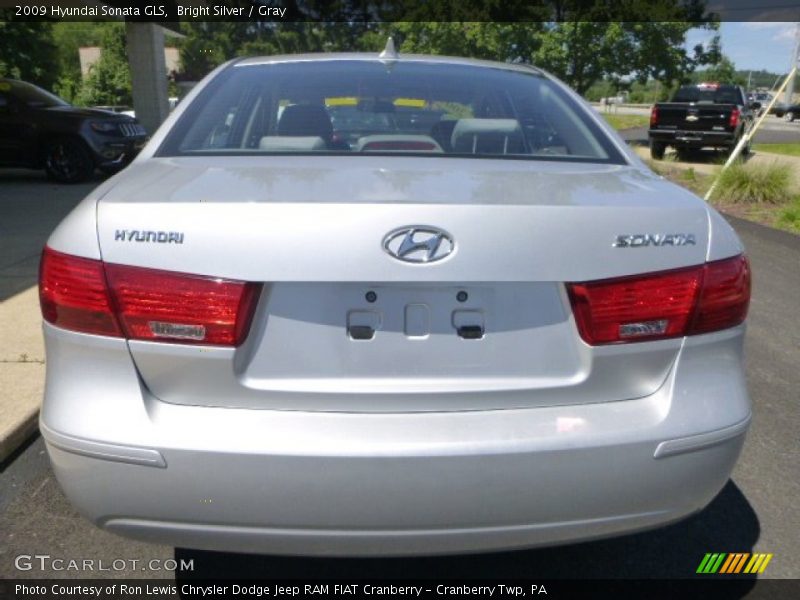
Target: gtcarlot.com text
(46, 562)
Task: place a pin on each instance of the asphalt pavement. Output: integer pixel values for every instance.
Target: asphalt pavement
(757, 511)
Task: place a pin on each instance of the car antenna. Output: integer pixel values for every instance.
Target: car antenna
(389, 54)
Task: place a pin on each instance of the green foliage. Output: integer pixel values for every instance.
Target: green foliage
(599, 48)
(109, 79)
(578, 49)
(28, 52)
(787, 149)
(208, 45)
(789, 217)
(601, 89)
(723, 71)
(754, 184)
(69, 36)
(758, 79)
(621, 122)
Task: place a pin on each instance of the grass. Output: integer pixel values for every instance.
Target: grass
(789, 216)
(688, 178)
(620, 122)
(781, 210)
(755, 184)
(787, 149)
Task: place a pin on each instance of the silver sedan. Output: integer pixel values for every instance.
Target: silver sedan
(387, 305)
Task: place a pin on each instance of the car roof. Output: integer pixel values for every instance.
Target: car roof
(371, 57)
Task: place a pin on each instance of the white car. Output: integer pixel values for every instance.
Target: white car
(460, 316)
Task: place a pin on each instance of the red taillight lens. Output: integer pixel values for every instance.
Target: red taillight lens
(162, 305)
(146, 304)
(662, 305)
(653, 116)
(734, 120)
(725, 297)
(73, 294)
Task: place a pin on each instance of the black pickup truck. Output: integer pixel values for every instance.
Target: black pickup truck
(702, 115)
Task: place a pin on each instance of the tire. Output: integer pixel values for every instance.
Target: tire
(788, 116)
(67, 160)
(746, 150)
(657, 150)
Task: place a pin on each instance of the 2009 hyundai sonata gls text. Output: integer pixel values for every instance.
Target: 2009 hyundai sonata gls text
(350, 304)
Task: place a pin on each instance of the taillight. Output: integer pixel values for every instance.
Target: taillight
(725, 296)
(653, 116)
(661, 305)
(73, 294)
(734, 120)
(144, 304)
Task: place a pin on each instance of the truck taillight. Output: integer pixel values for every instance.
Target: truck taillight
(653, 116)
(662, 305)
(90, 296)
(734, 120)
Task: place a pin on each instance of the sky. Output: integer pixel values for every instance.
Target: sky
(752, 45)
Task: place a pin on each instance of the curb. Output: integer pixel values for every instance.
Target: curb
(18, 433)
(22, 369)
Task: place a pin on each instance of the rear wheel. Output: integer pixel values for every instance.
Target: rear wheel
(746, 150)
(67, 160)
(657, 150)
(789, 116)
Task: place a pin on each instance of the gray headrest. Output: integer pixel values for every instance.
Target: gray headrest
(492, 136)
(278, 143)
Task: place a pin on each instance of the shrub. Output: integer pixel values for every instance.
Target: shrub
(754, 184)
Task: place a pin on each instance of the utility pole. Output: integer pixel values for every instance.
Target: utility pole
(787, 99)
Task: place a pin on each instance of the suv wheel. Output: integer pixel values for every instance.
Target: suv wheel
(747, 150)
(789, 116)
(657, 150)
(67, 160)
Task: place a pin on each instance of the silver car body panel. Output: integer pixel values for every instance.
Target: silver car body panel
(531, 356)
(416, 441)
(321, 483)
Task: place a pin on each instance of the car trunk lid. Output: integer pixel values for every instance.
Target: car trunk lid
(489, 326)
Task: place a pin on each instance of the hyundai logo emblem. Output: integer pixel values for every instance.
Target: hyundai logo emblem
(418, 244)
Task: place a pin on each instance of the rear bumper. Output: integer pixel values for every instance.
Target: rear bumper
(693, 138)
(293, 482)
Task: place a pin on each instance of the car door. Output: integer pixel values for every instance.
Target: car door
(17, 131)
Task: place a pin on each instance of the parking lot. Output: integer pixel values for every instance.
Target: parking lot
(756, 512)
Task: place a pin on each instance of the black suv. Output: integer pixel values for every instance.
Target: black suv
(40, 130)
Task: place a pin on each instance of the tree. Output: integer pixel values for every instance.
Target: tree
(722, 72)
(27, 52)
(69, 37)
(581, 41)
(109, 79)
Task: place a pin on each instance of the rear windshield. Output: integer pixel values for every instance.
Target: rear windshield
(711, 95)
(358, 107)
